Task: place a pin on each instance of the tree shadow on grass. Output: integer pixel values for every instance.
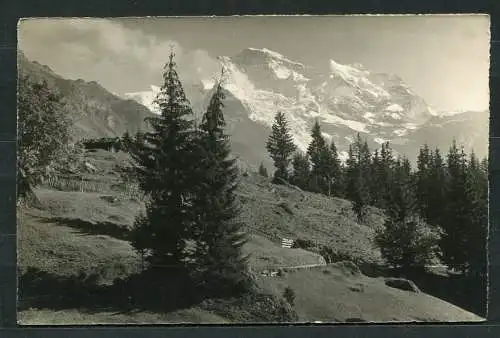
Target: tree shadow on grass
(111, 229)
(141, 292)
(466, 292)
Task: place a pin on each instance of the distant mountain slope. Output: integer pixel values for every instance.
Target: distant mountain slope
(345, 99)
(95, 111)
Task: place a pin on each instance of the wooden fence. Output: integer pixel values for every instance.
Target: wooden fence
(78, 183)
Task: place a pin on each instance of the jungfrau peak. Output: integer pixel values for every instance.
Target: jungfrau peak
(345, 99)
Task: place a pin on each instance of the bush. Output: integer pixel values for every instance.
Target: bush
(408, 244)
(289, 295)
(263, 170)
(252, 307)
(303, 243)
(332, 256)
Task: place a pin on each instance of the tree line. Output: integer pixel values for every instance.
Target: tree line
(437, 211)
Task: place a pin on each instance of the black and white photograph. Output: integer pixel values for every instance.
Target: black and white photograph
(253, 169)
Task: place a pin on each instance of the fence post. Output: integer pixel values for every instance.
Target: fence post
(81, 187)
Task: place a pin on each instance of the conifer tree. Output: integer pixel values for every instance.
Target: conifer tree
(219, 266)
(280, 147)
(477, 208)
(436, 198)
(455, 223)
(165, 162)
(358, 176)
(422, 178)
(322, 161)
(376, 172)
(403, 201)
(406, 241)
(386, 175)
(335, 171)
(301, 170)
(126, 141)
(263, 170)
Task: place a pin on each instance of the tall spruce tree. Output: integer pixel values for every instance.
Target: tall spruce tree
(219, 266)
(263, 170)
(301, 170)
(386, 176)
(477, 208)
(406, 241)
(456, 222)
(165, 162)
(403, 200)
(322, 162)
(280, 147)
(422, 178)
(376, 171)
(358, 176)
(335, 175)
(436, 198)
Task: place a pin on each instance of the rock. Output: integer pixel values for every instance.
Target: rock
(402, 284)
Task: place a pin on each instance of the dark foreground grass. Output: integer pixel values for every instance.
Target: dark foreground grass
(143, 292)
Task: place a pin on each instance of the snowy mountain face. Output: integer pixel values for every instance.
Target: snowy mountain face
(345, 100)
(146, 98)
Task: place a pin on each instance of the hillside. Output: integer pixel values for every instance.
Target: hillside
(94, 111)
(81, 227)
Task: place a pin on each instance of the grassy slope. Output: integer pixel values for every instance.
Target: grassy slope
(335, 293)
(77, 232)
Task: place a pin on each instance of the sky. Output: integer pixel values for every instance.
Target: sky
(444, 59)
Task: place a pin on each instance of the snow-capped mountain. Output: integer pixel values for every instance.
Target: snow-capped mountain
(146, 98)
(347, 99)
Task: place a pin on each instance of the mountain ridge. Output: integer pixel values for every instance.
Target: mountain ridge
(348, 100)
(94, 111)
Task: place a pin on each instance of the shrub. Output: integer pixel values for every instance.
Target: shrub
(263, 170)
(408, 244)
(303, 243)
(289, 295)
(332, 256)
(252, 307)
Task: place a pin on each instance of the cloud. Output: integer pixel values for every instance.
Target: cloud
(120, 58)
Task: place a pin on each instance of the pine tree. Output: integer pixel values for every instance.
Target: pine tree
(477, 209)
(219, 266)
(358, 176)
(403, 200)
(126, 141)
(301, 170)
(386, 175)
(316, 151)
(422, 178)
(376, 171)
(335, 171)
(165, 162)
(263, 170)
(436, 197)
(280, 147)
(406, 241)
(455, 223)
